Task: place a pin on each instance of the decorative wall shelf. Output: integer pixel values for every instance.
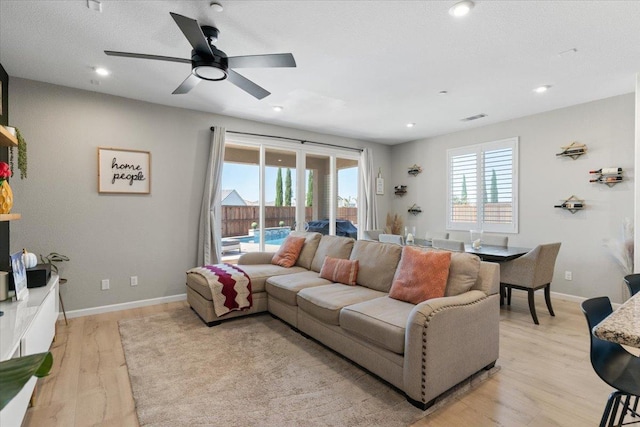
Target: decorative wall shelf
(9, 217)
(572, 204)
(400, 190)
(573, 150)
(415, 209)
(6, 139)
(414, 170)
(608, 176)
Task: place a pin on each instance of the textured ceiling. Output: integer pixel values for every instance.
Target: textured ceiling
(365, 68)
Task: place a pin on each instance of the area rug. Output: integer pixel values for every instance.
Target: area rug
(254, 371)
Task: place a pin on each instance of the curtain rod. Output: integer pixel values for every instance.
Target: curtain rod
(301, 141)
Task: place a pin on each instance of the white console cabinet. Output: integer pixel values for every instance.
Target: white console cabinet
(27, 327)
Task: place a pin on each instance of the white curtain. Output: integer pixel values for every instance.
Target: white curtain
(210, 222)
(369, 206)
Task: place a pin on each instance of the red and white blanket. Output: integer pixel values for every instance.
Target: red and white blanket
(230, 287)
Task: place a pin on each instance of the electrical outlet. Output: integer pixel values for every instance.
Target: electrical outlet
(134, 280)
(568, 275)
(105, 284)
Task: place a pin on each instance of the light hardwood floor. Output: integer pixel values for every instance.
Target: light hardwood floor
(546, 377)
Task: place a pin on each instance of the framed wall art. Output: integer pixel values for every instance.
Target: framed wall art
(123, 171)
(19, 276)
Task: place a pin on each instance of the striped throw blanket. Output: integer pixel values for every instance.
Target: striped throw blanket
(230, 287)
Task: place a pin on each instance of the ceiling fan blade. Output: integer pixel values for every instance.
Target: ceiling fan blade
(247, 85)
(193, 33)
(143, 56)
(262, 61)
(188, 84)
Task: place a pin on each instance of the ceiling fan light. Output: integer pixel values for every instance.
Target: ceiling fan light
(210, 72)
(461, 8)
(278, 108)
(542, 89)
(101, 71)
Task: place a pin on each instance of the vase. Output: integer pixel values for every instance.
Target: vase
(6, 197)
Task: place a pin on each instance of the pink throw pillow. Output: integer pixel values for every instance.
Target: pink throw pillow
(288, 252)
(340, 270)
(421, 275)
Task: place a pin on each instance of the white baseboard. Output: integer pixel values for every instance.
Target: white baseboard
(567, 297)
(122, 306)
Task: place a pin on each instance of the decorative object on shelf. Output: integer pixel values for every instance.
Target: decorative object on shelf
(29, 258)
(22, 154)
(394, 225)
(52, 259)
(19, 276)
(609, 176)
(15, 373)
(380, 183)
(476, 238)
(415, 209)
(414, 170)
(409, 236)
(573, 150)
(572, 204)
(6, 194)
(124, 171)
(400, 190)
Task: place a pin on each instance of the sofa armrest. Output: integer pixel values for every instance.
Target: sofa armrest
(447, 340)
(256, 258)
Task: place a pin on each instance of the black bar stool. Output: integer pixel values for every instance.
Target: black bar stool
(633, 283)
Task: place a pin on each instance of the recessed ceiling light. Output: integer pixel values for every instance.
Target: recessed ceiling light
(101, 71)
(410, 125)
(278, 108)
(443, 92)
(216, 6)
(542, 89)
(461, 8)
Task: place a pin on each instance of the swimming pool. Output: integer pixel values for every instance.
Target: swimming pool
(273, 237)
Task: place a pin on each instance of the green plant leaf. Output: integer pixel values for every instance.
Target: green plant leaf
(15, 373)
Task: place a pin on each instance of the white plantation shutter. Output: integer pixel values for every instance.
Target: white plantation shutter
(482, 187)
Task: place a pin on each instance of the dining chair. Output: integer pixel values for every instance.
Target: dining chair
(612, 363)
(391, 238)
(633, 283)
(372, 234)
(495, 240)
(429, 235)
(530, 272)
(449, 245)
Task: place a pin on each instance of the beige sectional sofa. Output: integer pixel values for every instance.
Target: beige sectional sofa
(422, 349)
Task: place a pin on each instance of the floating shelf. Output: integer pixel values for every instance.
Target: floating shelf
(608, 176)
(9, 217)
(572, 204)
(573, 150)
(415, 209)
(400, 190)
(6, 139)
(414, 170)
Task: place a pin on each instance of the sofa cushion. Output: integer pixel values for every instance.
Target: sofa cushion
(378, 263)
(308, 249)
(286, 287)
(421, 275)
(337, 270)
(325, 302)
(288, 253)
(463, 273)
(333, 246)
(382, 321)
(258, 273)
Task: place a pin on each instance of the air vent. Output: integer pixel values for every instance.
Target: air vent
(476, 117)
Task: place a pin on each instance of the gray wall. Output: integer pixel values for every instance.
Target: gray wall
(116, 236)
(605, 126)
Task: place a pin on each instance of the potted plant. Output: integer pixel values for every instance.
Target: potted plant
(22, 152)
(15, 373)
(52, 259)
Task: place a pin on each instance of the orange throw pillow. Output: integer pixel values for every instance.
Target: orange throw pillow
(289, 252)
(340, 270)
(421, 275)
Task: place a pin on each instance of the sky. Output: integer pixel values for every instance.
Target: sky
(245, 179)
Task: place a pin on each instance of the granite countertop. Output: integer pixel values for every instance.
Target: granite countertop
(623, 325)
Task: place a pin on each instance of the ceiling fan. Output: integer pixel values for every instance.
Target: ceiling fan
(209, 63)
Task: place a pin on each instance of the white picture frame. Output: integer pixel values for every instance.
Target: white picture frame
(19, 276)
(123, 171)
(380, 186)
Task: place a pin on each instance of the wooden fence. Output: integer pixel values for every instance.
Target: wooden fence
(236, 220)
(497, 213)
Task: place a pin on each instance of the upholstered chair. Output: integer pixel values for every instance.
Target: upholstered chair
(430, 235)
(495, 240)
(372, 234)
(391, 238)
(449, 245)
(530, 272)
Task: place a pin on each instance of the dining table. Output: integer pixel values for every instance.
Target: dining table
(623, 325)
(496, 253)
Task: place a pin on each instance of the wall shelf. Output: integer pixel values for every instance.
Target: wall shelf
(608, 176)
(9, 217)
(573, 150)
(6, 139)
(414, 210)
(572, 204)
(400, 190)
(414, 170)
